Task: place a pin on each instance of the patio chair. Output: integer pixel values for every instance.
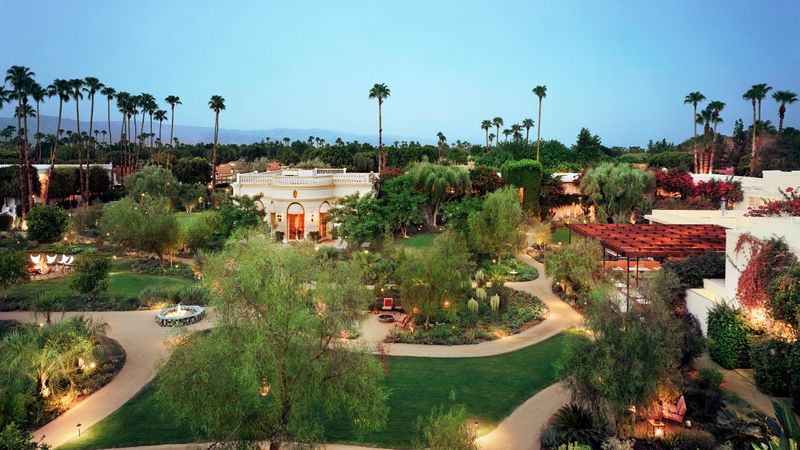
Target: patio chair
(51, 259)
(388, 304)
(36, 259)
(675, 412)
(404, 319)
(69, 261)
(63, 259)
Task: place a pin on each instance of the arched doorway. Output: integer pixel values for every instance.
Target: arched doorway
(295, 215)
(323, 220)
(273, 213)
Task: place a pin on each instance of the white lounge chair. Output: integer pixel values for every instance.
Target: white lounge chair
(36, 259)
(69, 261)
(63, 260)
(51, 259)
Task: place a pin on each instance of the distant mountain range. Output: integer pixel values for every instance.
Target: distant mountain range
(192, 135)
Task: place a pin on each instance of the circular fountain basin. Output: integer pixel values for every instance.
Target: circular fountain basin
(180, 315)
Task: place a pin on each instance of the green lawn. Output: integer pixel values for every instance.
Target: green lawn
(122, 284)
(560, 235)
(490, 388)
(185, 220)
(420, 241)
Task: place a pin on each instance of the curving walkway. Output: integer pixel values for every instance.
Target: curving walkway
(145, 345)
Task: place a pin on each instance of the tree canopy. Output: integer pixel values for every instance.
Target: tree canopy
(439, 184)
(617, 190)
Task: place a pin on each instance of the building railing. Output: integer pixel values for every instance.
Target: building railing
(336, 176)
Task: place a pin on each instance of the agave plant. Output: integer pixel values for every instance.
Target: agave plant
(576, 424)
(785, 428)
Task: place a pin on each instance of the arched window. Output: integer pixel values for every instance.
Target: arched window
(323, 219)
(295, 214)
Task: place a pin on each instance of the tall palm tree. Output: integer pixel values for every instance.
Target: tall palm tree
(704, 118)
(380, 91)
(123, 100)
(541, 92)
(63, 90)
(91, 86)
(507, 133)
(694, 98)
(172, 100)
(716, 108)
(485, 125)
(109, 93)
(752, 95)
(492, 136)
(77, 88)
(38, 94)
(784, 98)
(133, 108)
(527, 124)
(160, 116)
(442, 143)
(761, 91)
(497, 122)
(516, 130)
(217, 104)
(21, 80)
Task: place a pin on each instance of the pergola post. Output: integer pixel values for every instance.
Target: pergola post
(628, 285)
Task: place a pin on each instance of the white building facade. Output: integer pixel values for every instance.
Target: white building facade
(297, 201)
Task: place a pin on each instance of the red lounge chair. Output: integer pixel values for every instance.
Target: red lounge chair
(388, 304)
(402, 322)
(672, 412)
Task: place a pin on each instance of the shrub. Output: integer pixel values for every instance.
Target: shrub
(13, 269)
(313, 236)
(90, 274)
(446, 429)
(693, 342)
(793, 366)
(728, 337)
(769, 357)
(5, 222)
(679, 160)
(549, 437)
(574, 423)
(693, 269)
(525, 174)
(279, 236)
(47, 223)
(86, 220)
(704, 396)
(615, 443)
(784, 291)
(693, 439)
(193, 295)
(153, 295)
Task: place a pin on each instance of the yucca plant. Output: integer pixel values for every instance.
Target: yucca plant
(480, 293)
(576, 424)
(472, 304)
(494, 302)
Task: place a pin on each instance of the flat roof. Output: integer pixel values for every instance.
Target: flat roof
(654, 240)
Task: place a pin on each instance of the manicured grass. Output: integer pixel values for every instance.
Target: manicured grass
(560, 235)
(122, 284)
(420, 241)
(490, 388)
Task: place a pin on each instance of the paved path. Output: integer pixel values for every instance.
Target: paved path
(739, 382)
(145, 345)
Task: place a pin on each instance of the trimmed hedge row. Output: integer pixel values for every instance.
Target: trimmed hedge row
(526, 174)
(728, 337)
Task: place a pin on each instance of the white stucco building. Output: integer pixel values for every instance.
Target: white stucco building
(297, 201)
(756, 192)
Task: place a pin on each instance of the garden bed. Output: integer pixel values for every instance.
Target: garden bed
(510, 269)
(518, 311)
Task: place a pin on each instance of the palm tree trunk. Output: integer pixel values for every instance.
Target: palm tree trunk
(527, 133)
(381, 155)
(497, 136)
(142, 142)
(151, 134)
(487, 138)
(135, 159)
(214, 156)
(80, 145)
(89, 154)
(753, 163)
(781, 113)
(38, 136)
(713, 151)
(53, 151)
(23, 196)
(539, 130)
(158, 161)
(110, 139)
(694, 141)
(28, 166)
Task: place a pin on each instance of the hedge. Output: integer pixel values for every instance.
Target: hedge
(526, 174)
(669, 160)
(770, 359)
(793, 366)
(728, 337)
(692, 270)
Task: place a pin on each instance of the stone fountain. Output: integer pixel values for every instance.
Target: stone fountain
(180, 315)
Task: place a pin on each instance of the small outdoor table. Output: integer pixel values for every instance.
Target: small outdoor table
(658, 427)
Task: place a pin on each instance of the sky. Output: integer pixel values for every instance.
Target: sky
(620, 68)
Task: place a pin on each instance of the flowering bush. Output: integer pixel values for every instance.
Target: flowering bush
(675, 181)
(789, 206)
(716, 190)
(768, 258)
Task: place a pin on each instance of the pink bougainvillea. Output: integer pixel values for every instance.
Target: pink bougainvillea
(752, 287)
(788, 206)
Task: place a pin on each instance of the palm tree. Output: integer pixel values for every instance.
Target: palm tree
(527, 124)
(485, 125)
(492, 136)
(380, 91)
(752, 95)
(172, 100)
(160, 116)
(21, 79)
(703, 118)
(133, 110)
(761, 91)
(784, 98)
(77, 85)
(91, 86)
(38, 93)
(109, 92)
(442, 143)
(694, 98)
(541, 92)
(516, 130)
(716, 107)
(62, 89)
(497, 122)
(507, 133)
(217, 103)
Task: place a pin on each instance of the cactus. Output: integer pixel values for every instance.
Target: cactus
(472, 304)
(480, 293)
(480, 275)
(494, 302)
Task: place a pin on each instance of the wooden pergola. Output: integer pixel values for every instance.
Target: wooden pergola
(635, 242)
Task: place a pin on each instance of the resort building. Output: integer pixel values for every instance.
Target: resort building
(297, 201)
(756, 192)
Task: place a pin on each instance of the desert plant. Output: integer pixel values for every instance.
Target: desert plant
(481, 294)
(494, 302)
(576, 424)
(693, 439)
(193, 295)
(615, 443)
(472, 304)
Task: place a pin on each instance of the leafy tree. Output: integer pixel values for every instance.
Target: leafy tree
(45, 304)
(575, 266)
(484, 180)
(195, 170)
(358, 218)
(456, 213)
(525, 174)
(439, 184)
(152, 181)
(588, 147)
(12, 437)
(401, 203)
(629, 359)
(63, 182)
(192, 195)
(494, 230)
(447, 429)
(13, 268)
(435, 279)
(238, 213)
(47, 223)
(275, 367)
(147, 226)
(617, 190)
(90, 274)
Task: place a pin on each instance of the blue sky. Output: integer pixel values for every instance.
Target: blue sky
(620, 68)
